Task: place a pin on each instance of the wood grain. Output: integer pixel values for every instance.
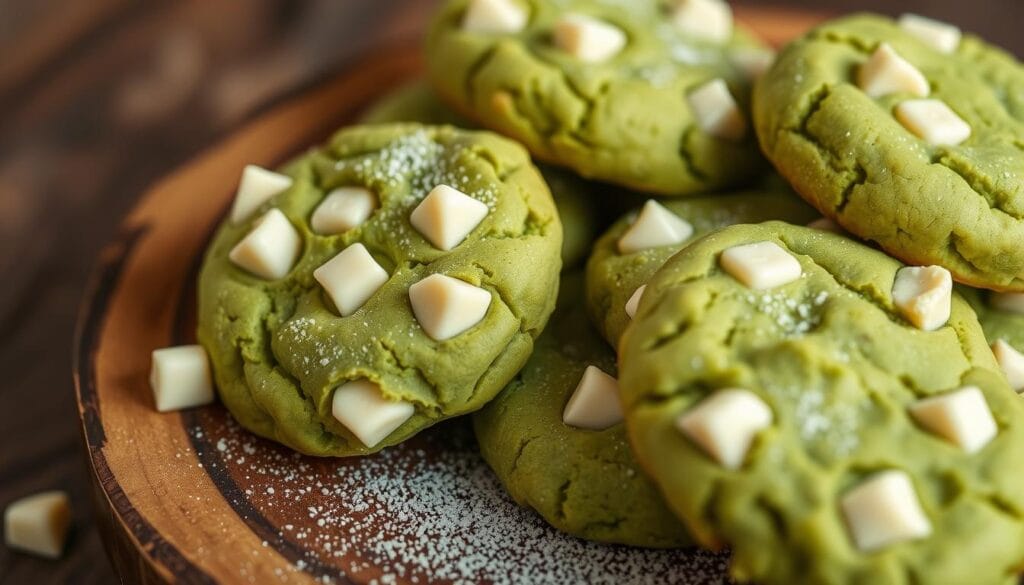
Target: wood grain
(76, 149)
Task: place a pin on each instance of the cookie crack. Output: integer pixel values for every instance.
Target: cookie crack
(978, 183)
(523, 444)
(406, 370)
(687, 158)
(834, 37)
(476, 67)
(562, 498)
(858, 178)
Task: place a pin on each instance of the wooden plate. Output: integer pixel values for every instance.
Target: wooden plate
(192, 498)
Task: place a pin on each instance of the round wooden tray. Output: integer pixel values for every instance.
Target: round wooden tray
(192, 498)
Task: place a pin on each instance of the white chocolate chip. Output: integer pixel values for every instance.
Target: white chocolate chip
(884, 510)
(942, 37)
(716, 111)
(257, 186)
(351, 278)
(961, 417)
(269, 251)
(363, 409)
(446, 306)
(180, 378)
(886, 72)
(933, 121)
(1011, 362)
(38, 523)
(594, 404)
(707, 20)
(655, 226)
(634, 301)
(754, 61)
(924, 295)
(724, 425)
(446, 216)
(1009, 302)
(826, 225)
(587, 38)
(342, 209)
(761, 265)
(494, 17)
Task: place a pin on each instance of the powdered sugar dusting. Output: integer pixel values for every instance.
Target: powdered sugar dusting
(427, 511)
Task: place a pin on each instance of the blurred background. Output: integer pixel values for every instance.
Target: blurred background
(99, 98)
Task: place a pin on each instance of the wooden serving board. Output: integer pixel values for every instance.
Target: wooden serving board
(192, 498)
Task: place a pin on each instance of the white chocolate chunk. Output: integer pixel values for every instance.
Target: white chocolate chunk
(655, 226)
(826, 225)
(716, 111)
(363, 409)
(753, 61)
(707, 20)
(924, 295)
(446, 306)
(342, 209)
(761, 265)
(634, 301)
(269, 251)
(886, 72)
(446, 216)
(1009, 302)
(351, 278)
(594, 404)
(1011, 362)
(884, 510)
(961, 417)
(587, 38)
(943, 37)
(724, 425)
(933, 121)
(494, 17)
(38, 523)
(180, 378)
(257, 186)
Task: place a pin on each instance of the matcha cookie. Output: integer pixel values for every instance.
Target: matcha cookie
(1002, 318)
(582, 480)
(394, 277)
(829, 414)
(906, 138)
(617, 269)
(574, 197)
(648, 94)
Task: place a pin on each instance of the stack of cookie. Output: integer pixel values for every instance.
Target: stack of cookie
(764, 350)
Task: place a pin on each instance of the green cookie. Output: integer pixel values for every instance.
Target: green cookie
(583, 482)
(849, 155)
(279, 348)
(413, 102)
(627, 119)
(416, 102)
(613, 277)
(838, 369)
(998, 322)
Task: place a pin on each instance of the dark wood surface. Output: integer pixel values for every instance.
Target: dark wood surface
(97, 100)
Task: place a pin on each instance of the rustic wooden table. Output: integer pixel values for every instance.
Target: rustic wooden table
(100, 98)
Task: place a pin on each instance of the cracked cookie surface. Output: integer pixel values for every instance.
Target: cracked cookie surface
(416, 102)
(613, 277)
(626, 120)
(279, 348)
(831, 357)
(961, 207)
(583, 482)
